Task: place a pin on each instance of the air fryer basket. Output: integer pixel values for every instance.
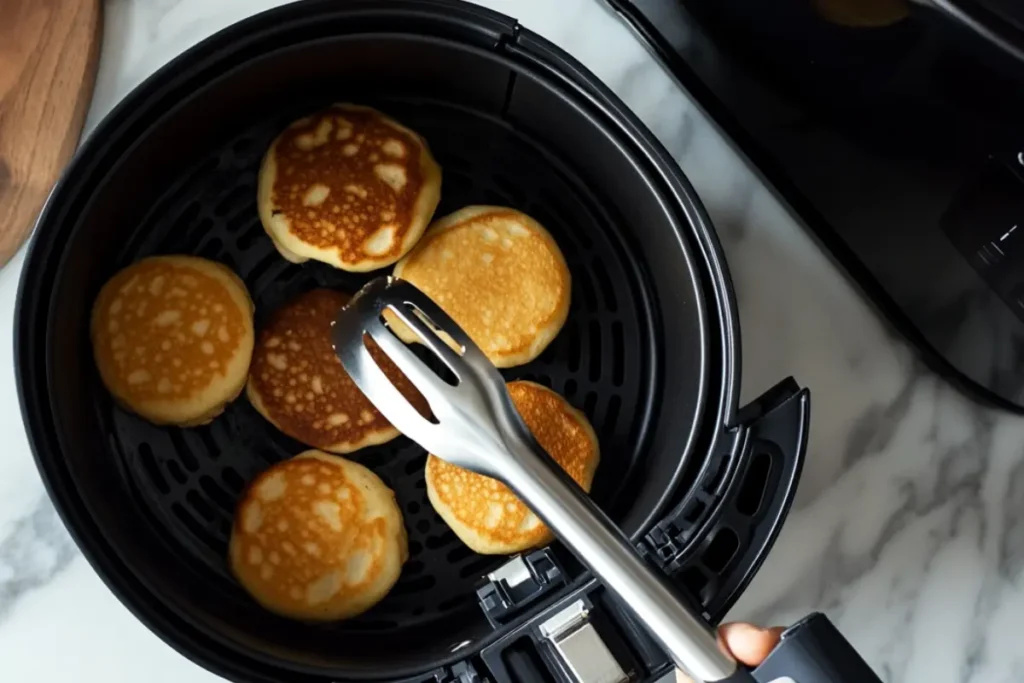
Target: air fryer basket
(648, 351)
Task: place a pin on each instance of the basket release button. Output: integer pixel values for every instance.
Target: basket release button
(581, 651)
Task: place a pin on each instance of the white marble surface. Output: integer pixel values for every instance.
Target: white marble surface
(909, 526)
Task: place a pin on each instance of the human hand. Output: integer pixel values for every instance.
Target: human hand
(748, 644)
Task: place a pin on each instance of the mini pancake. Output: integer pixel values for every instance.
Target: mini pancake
(483, 512)
(297, 382)
(172, 337)
(347, 186)
(318, 538)
(498, 274)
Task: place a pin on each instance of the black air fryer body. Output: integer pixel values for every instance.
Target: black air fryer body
(650, 352)
(894, 128)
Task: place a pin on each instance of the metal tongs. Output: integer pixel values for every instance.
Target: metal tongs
(474, 425)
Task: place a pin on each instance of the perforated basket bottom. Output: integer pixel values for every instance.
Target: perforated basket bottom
(187, 481)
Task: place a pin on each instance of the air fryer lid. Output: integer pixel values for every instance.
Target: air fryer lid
(173, 170)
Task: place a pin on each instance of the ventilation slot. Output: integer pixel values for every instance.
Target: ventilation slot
(575, 346)
(589, 404)
(215, 493)
(693, 580)
(607, 290)
(183, 451)
(196, 529)
(209, 443)
(178, 474)
(242, 224)
(416, 584)
(196, 231)
(459, 553)
(241, 197)
(233, 480)
(594, 351)
(255, 277)
(186, 218)
(251, 237)
(586, 288)
(618, 355)
(694, 512)
(611, 415)
(721, 550)
(213, 249)
(197, 503)
(751, 494)
(446, 538)
(152, 471)
(452, 603)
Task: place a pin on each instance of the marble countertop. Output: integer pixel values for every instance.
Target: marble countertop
(909, 524)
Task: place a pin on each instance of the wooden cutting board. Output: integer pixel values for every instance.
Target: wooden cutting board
(49, 50)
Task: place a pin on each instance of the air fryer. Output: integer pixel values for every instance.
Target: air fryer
(650, 351)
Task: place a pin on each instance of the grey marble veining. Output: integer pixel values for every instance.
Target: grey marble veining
(36, 549)
(909, 523)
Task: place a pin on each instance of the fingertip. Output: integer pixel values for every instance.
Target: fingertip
(749, 644)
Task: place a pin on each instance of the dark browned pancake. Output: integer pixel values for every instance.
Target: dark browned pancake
(347, 186)
(296, 380)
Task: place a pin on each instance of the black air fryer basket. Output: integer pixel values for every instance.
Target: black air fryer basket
(650, 350)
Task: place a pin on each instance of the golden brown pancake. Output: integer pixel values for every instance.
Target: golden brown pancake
(347, 186)
(483, 512)
(296, 380)
(318, 537)
(500, 276)
(172, 337)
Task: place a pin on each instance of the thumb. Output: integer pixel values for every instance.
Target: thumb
(746, 643)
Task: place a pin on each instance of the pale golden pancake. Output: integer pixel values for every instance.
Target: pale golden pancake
(172, 337)
(483, 512)
(318, 537)
(296, 380)
(347, 186)
(500, 276)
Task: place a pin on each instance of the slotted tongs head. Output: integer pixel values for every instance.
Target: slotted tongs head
(472, 416)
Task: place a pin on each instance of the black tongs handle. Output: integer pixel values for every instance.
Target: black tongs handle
(811, 651)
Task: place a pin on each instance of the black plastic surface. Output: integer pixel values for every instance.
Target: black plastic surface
(501, 601)
(649, 352)
(814, 651)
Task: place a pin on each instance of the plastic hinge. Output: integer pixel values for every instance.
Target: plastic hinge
(519, 583)
(670, 540)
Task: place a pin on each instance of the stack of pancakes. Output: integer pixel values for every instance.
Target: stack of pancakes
(318, 536)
